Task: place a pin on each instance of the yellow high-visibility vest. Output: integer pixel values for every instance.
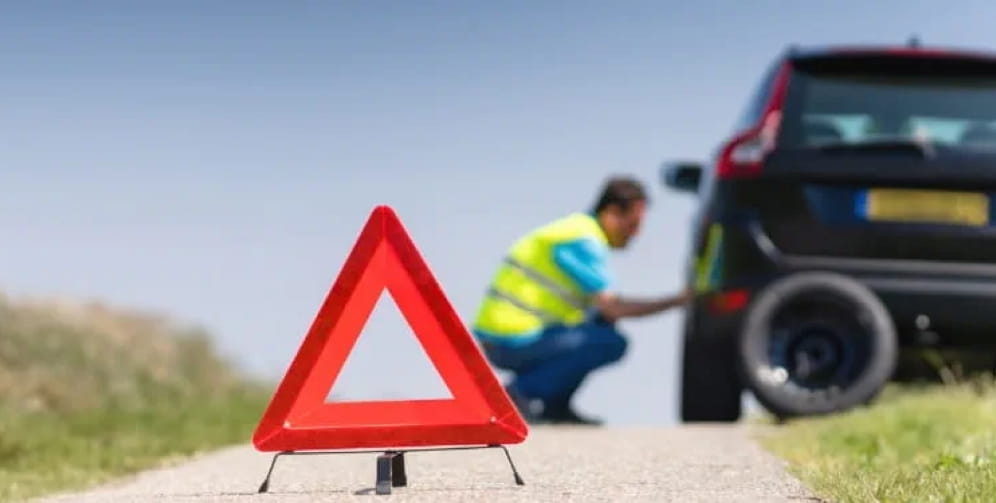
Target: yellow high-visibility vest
(529, 291)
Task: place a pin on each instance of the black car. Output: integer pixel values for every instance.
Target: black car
(845, 234)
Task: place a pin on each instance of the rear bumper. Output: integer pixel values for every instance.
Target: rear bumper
(942, 314)
(932, 303)
(930, 310)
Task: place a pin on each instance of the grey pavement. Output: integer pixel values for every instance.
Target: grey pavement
(683, 463)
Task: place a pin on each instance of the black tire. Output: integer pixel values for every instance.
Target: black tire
(820, 317)
(710, 387)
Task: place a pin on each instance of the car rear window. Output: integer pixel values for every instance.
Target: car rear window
(949, 102)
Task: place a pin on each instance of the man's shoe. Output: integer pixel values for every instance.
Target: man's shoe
(569, 416)
(527, 407)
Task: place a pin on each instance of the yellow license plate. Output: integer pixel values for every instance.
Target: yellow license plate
(928, 206)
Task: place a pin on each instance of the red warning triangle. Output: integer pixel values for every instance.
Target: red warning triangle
(298, 418)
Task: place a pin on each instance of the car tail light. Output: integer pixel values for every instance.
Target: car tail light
(730, 301)
(744, 154)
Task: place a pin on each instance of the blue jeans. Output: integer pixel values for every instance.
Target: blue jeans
(553, 367)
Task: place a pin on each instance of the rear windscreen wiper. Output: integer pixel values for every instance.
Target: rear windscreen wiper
(897, 145)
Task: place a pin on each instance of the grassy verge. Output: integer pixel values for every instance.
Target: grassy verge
(921, 444)
(42, 453)
(88, 394)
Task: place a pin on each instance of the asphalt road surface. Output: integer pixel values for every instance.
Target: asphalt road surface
(686, 463)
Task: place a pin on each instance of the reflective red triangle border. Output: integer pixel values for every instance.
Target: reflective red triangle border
(385, 257)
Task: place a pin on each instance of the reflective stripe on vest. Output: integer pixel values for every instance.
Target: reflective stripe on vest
(567, 296)
(494, 292)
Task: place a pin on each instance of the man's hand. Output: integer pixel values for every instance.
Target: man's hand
(685, 296)
(613, 307)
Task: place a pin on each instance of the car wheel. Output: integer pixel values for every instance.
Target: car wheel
(815, 343)
(710, 387)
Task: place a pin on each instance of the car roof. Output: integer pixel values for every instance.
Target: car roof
(909, 50)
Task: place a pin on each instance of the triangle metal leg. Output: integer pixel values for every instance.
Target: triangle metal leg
(518, 478)
(391, 470)
(265, 486)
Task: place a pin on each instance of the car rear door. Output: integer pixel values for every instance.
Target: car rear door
(882, 156)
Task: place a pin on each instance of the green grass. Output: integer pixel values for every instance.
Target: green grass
(922, 444)
(40, 453)
(88, 394)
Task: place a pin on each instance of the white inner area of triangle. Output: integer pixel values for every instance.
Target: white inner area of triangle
(387, 362)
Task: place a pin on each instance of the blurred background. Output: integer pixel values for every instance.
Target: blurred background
(216, 162)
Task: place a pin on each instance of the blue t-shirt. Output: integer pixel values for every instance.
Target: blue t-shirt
(586, 261)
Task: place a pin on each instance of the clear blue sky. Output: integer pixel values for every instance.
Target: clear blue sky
(216, 162)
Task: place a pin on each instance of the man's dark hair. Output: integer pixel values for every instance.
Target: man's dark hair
(620, 191)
